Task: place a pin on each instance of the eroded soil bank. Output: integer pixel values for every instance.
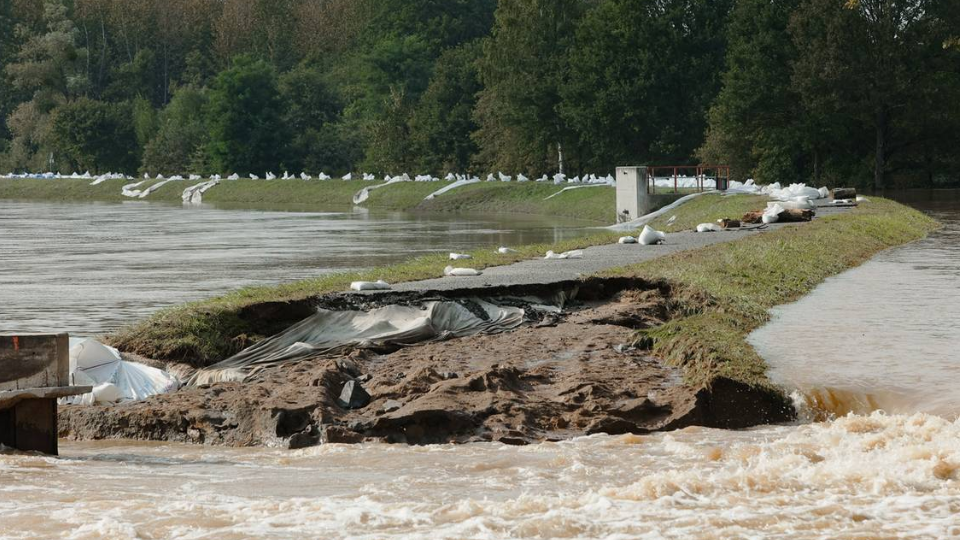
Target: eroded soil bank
(553, 378)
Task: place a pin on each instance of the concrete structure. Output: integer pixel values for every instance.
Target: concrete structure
(633, 200)
(34, 372)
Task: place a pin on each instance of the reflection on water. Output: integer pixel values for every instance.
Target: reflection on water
(88, 268)
(885, 335)
(857, 477)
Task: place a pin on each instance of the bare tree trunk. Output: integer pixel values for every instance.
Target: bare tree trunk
(880, 158)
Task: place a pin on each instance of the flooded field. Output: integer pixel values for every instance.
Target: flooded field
(87, 268)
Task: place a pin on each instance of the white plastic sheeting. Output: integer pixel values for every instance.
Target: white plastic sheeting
(643, 220)
(451, 187)
(391, 326)
(114, 379)
(627, 240)
(361, 196)
(194, 194)
(568, 188)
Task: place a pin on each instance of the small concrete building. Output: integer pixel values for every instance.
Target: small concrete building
(633, 197)
(34, 372)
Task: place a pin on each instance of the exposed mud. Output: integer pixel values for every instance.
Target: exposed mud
(553, 378)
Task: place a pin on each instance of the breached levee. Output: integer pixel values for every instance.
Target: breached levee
(517, 365)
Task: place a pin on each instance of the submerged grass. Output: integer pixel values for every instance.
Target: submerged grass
(723, 292)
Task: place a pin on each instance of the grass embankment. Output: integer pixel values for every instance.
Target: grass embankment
(591, 204)
(206, 331)
(724, 292)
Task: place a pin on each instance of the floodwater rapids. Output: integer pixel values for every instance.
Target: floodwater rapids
(888, 328)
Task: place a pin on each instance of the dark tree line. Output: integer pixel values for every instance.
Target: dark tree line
(863, 92)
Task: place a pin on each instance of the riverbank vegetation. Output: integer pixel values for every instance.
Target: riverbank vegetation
(860, 92)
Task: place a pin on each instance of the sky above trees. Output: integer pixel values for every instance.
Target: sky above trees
(859, 92)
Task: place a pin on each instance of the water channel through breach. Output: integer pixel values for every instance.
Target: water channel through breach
(888, 328)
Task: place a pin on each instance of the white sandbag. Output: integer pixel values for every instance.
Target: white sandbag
(861, 198)
(460, 256)
(627, 240)
(708, 227)
(650, 236)
(460, 272)
(824, 192)
(575, 254)
(378, 285)
(793, 205)
(106, 393)
(505, 250)
(772, 213)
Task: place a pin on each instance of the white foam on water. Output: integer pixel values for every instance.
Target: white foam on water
(873, 476)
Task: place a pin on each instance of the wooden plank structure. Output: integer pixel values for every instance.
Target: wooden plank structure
(34, 372)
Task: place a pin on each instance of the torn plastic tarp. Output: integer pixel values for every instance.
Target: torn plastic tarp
(95, 364)
(451, 187)
(387, 327)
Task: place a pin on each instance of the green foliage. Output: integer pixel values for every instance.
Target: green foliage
(180, 136)
(442, 122)
(96, 136)
(145, 121)
(245, 118)
(862, 92)
(522, 70)
(757, 124)
(313, 115)
(642, 76)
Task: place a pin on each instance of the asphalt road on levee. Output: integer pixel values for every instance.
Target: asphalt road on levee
(595, 259)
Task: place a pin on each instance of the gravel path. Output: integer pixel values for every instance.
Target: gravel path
(595, 259)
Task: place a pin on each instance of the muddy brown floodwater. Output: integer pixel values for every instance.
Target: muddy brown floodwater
(877, 475)
(88, 268)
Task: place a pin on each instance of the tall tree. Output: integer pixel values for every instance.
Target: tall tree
(642, 76)
(873, 63)
(182, 131)
(96, 136)
(49, 68)
(442, 123)
(522, 70)
(757, 124)
(245, 118)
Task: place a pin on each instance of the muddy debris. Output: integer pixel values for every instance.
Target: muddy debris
(569, 378)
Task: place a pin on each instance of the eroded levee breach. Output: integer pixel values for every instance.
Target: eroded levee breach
(516, 365)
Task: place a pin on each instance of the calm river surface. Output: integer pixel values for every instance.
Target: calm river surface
(889, 328)
(87, 268)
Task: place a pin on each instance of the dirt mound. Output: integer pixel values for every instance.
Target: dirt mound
(561, 378)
